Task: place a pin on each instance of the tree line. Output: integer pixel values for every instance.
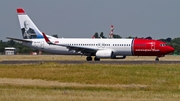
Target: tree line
(21, 49)
(96, 35)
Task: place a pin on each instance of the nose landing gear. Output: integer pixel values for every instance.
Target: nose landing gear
(157, 59)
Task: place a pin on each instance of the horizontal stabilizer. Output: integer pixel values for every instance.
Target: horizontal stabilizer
(21, 40)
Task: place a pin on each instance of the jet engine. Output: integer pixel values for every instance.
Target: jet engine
(104, 54)
(119, 57)
(108, 54)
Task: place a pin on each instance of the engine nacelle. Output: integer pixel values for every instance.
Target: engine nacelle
(104, 54)
(119, 57)
(108, 54)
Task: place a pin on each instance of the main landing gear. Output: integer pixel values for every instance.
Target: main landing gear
(96, 59)
(89, 58)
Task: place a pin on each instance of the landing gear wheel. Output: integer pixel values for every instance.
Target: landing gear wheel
(89, 58)
(96, 59)
(157, 59)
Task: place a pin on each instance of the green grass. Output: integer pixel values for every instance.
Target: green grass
(87, 82)
(94, 74)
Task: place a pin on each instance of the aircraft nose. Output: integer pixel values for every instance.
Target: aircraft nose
(170, 49)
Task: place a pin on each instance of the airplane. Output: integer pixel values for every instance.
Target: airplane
(99, 48)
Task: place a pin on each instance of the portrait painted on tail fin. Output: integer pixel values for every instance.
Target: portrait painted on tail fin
(28, 28)
(27, 31)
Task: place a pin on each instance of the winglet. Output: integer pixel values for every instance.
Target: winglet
(46, 38)
(20, 11)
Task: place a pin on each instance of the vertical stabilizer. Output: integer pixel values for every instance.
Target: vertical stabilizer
(28, 28)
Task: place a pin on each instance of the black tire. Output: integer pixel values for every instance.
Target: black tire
(157, 59)
(89, 58)
(96, 59)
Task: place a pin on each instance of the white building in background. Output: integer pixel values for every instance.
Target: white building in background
(10, 51)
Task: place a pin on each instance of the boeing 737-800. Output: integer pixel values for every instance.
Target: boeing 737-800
(99, 48)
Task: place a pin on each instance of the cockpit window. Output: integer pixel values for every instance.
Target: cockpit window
(163, 45)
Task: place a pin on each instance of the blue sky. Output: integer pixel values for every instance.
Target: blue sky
(82, 18)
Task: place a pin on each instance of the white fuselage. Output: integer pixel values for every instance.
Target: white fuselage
(118, 46)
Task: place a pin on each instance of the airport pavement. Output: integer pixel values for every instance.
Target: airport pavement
(86, 62)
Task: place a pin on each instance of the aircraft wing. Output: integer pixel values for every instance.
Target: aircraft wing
(79, 49)
(76, 48)
(21, 40)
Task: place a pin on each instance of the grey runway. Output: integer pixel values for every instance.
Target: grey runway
(86, 62)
